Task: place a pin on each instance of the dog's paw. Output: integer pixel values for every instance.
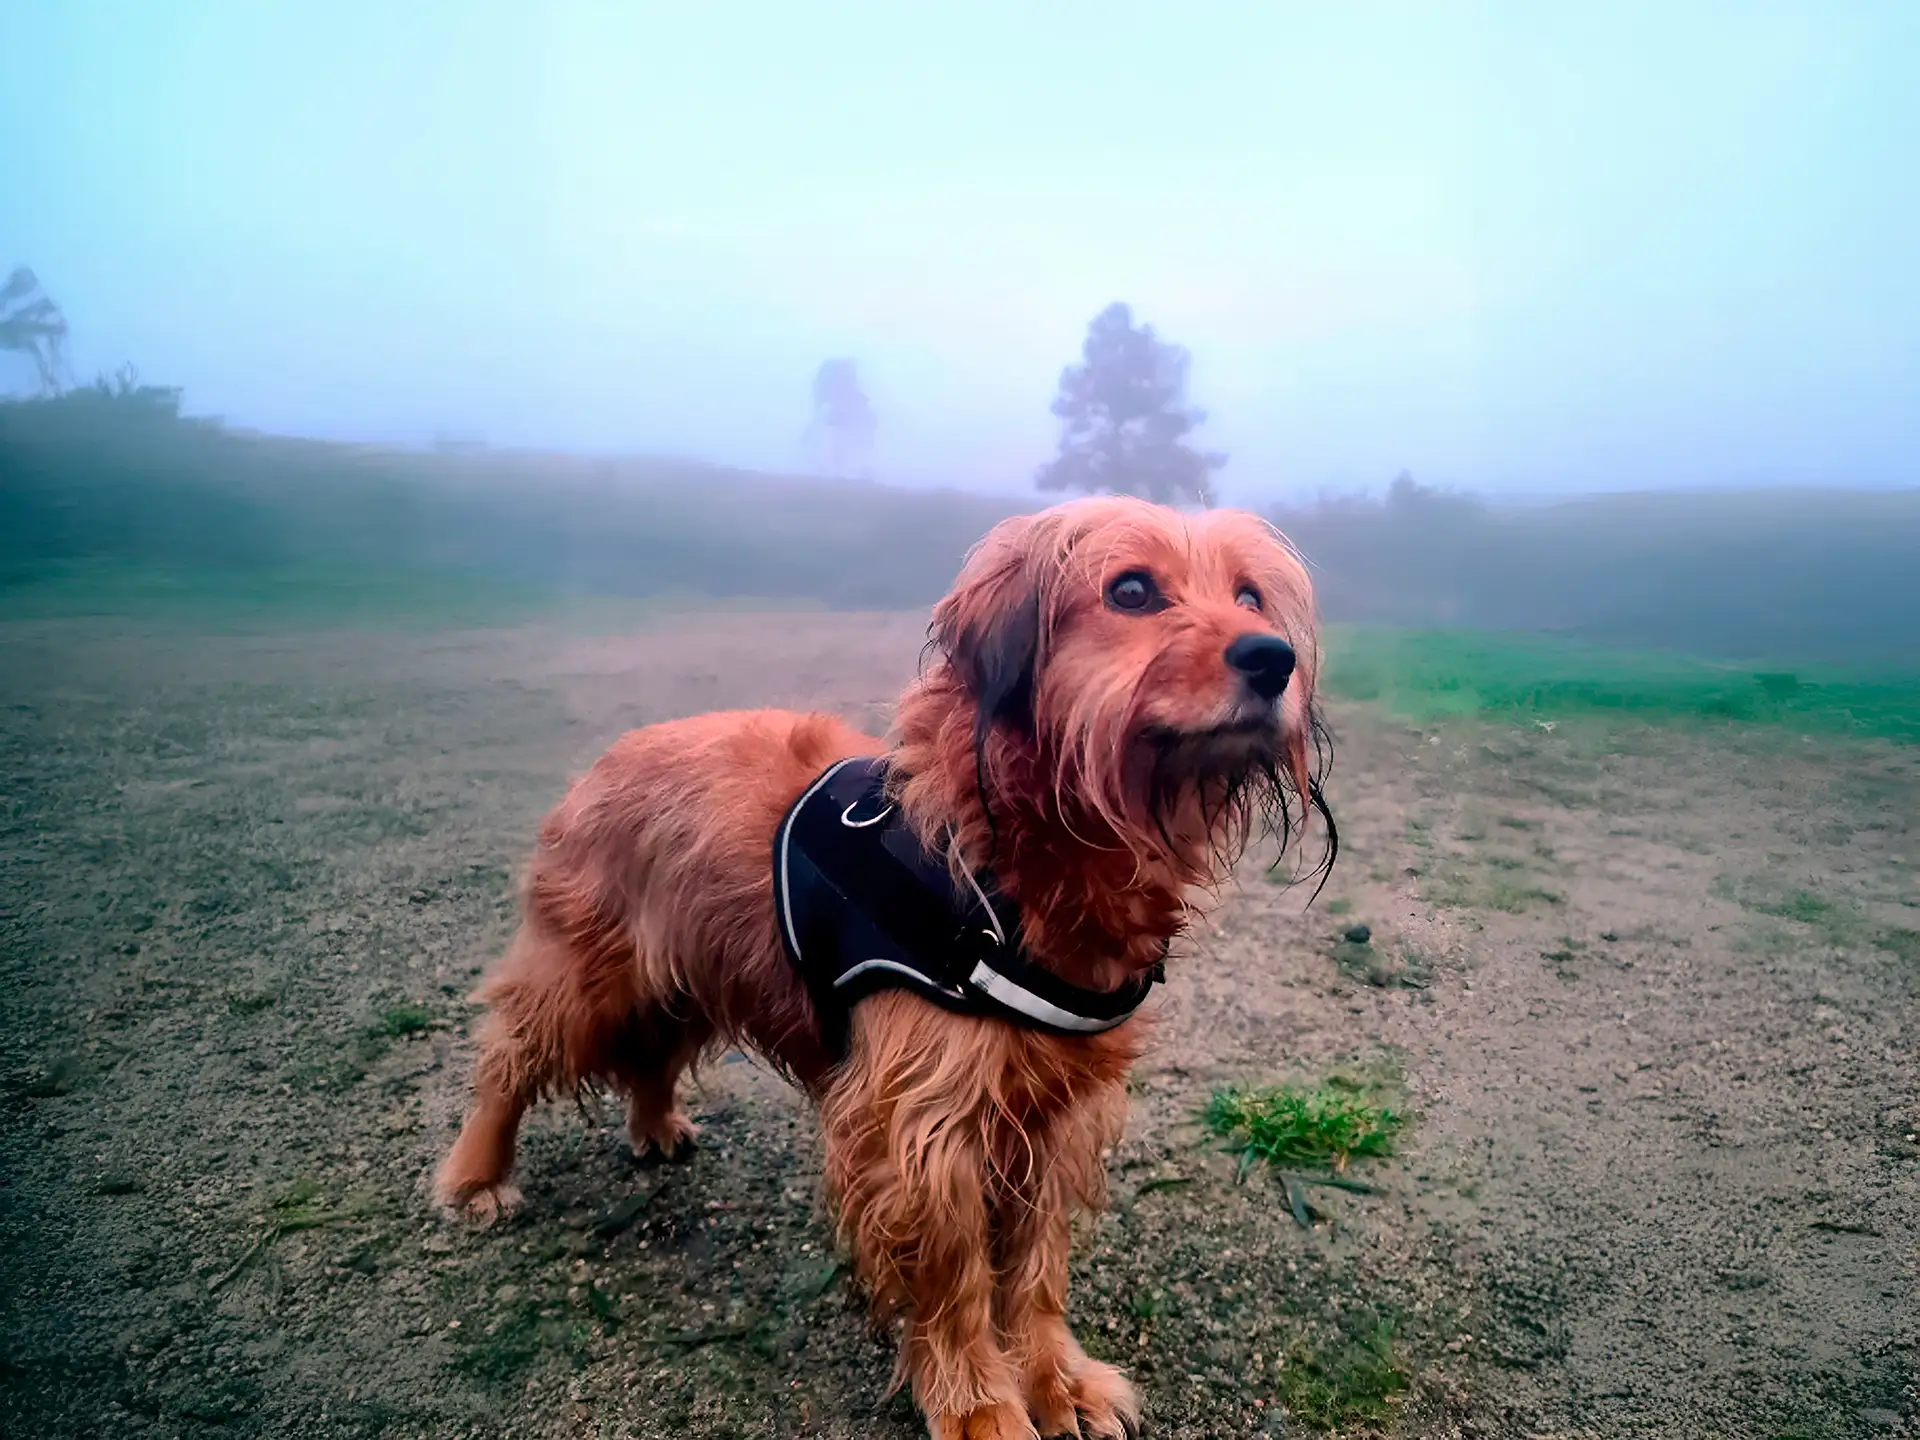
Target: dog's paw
(1005, 1421)
(671, 1137)
(1108, 1406)
(1051, 1399)
(480, 1205)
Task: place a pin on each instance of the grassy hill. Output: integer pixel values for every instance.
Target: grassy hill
(1433, 675)
(112, 503)
(104, 502)
(1795, 577)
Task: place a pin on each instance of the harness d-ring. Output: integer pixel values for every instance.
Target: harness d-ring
(846, 817)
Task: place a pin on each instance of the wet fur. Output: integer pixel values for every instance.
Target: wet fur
(1106, 766)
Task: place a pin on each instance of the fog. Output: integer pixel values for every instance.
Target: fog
(1521, 249)
(401, 403)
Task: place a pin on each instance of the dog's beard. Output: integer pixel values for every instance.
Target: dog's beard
(1189, 798)
(1209, 793)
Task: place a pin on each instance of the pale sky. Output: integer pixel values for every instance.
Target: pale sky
(1539, 246)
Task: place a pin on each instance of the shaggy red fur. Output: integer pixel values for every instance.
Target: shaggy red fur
(1105, 761)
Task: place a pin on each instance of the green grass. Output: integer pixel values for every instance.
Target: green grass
(299, 1195)
(1837, 922)
(297, 597)
(1287, 1125)
(1147, 1305)
(274, 596)
(1429, 675)
(1463, 889)
(1802, 905)
(251, 1002)
(122, 510)
(302, 1206)
(1383, 966)
(1900, 942)
(334, 1075)
(1346, 1388)
(397, 1021)
(348, 1067)
(519, 1339)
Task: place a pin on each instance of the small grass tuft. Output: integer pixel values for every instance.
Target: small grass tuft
(395, 1022)
(1287, 1125)
(1836, 921)
(1147, 1306)
(1802, 905)
(1347, 1388)
(333, 1075)
(250, 1002)
(299, 1195)
(301, 1206)
(1899, 942)
(515, 1342)
(605, 1309)
(1516, 897)
(1384, 967)
(1467, 890)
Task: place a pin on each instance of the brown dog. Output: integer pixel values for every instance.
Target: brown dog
(1118, 693)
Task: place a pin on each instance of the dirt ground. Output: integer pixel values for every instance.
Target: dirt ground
(1649, 997)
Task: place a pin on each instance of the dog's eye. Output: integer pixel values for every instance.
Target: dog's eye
(1248, 596)
(1134, 590)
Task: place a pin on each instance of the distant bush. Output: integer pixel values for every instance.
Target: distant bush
(1809, 576)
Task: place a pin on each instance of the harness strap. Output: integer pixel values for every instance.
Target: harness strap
(895, 893)
(864, 906)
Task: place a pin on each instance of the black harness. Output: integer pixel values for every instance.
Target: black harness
(864, 907)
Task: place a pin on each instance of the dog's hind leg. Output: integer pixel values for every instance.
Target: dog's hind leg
(545, 1034)
(649, 1071)
(473, 1178)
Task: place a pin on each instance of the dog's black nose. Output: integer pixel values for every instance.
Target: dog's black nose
(1266, 660)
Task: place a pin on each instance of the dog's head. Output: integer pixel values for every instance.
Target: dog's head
(1158, 667)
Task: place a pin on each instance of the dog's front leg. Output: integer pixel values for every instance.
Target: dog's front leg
(1069, 1392)
(908, 1171)
(917, 1225)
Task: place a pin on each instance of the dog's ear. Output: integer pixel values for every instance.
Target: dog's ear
(989, 628)
(998, 663)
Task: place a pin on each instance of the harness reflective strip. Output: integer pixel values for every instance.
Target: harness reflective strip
(1017, 997)
(895, 965)
(786, 841)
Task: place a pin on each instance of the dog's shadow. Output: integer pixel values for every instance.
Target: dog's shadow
(713, 1273)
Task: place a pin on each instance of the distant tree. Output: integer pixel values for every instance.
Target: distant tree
(843, 419)
(1410, 502)
(1125, 418)
(123, 388)
(31, 324)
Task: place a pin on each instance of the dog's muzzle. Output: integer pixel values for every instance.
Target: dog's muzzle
(1265, 662)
